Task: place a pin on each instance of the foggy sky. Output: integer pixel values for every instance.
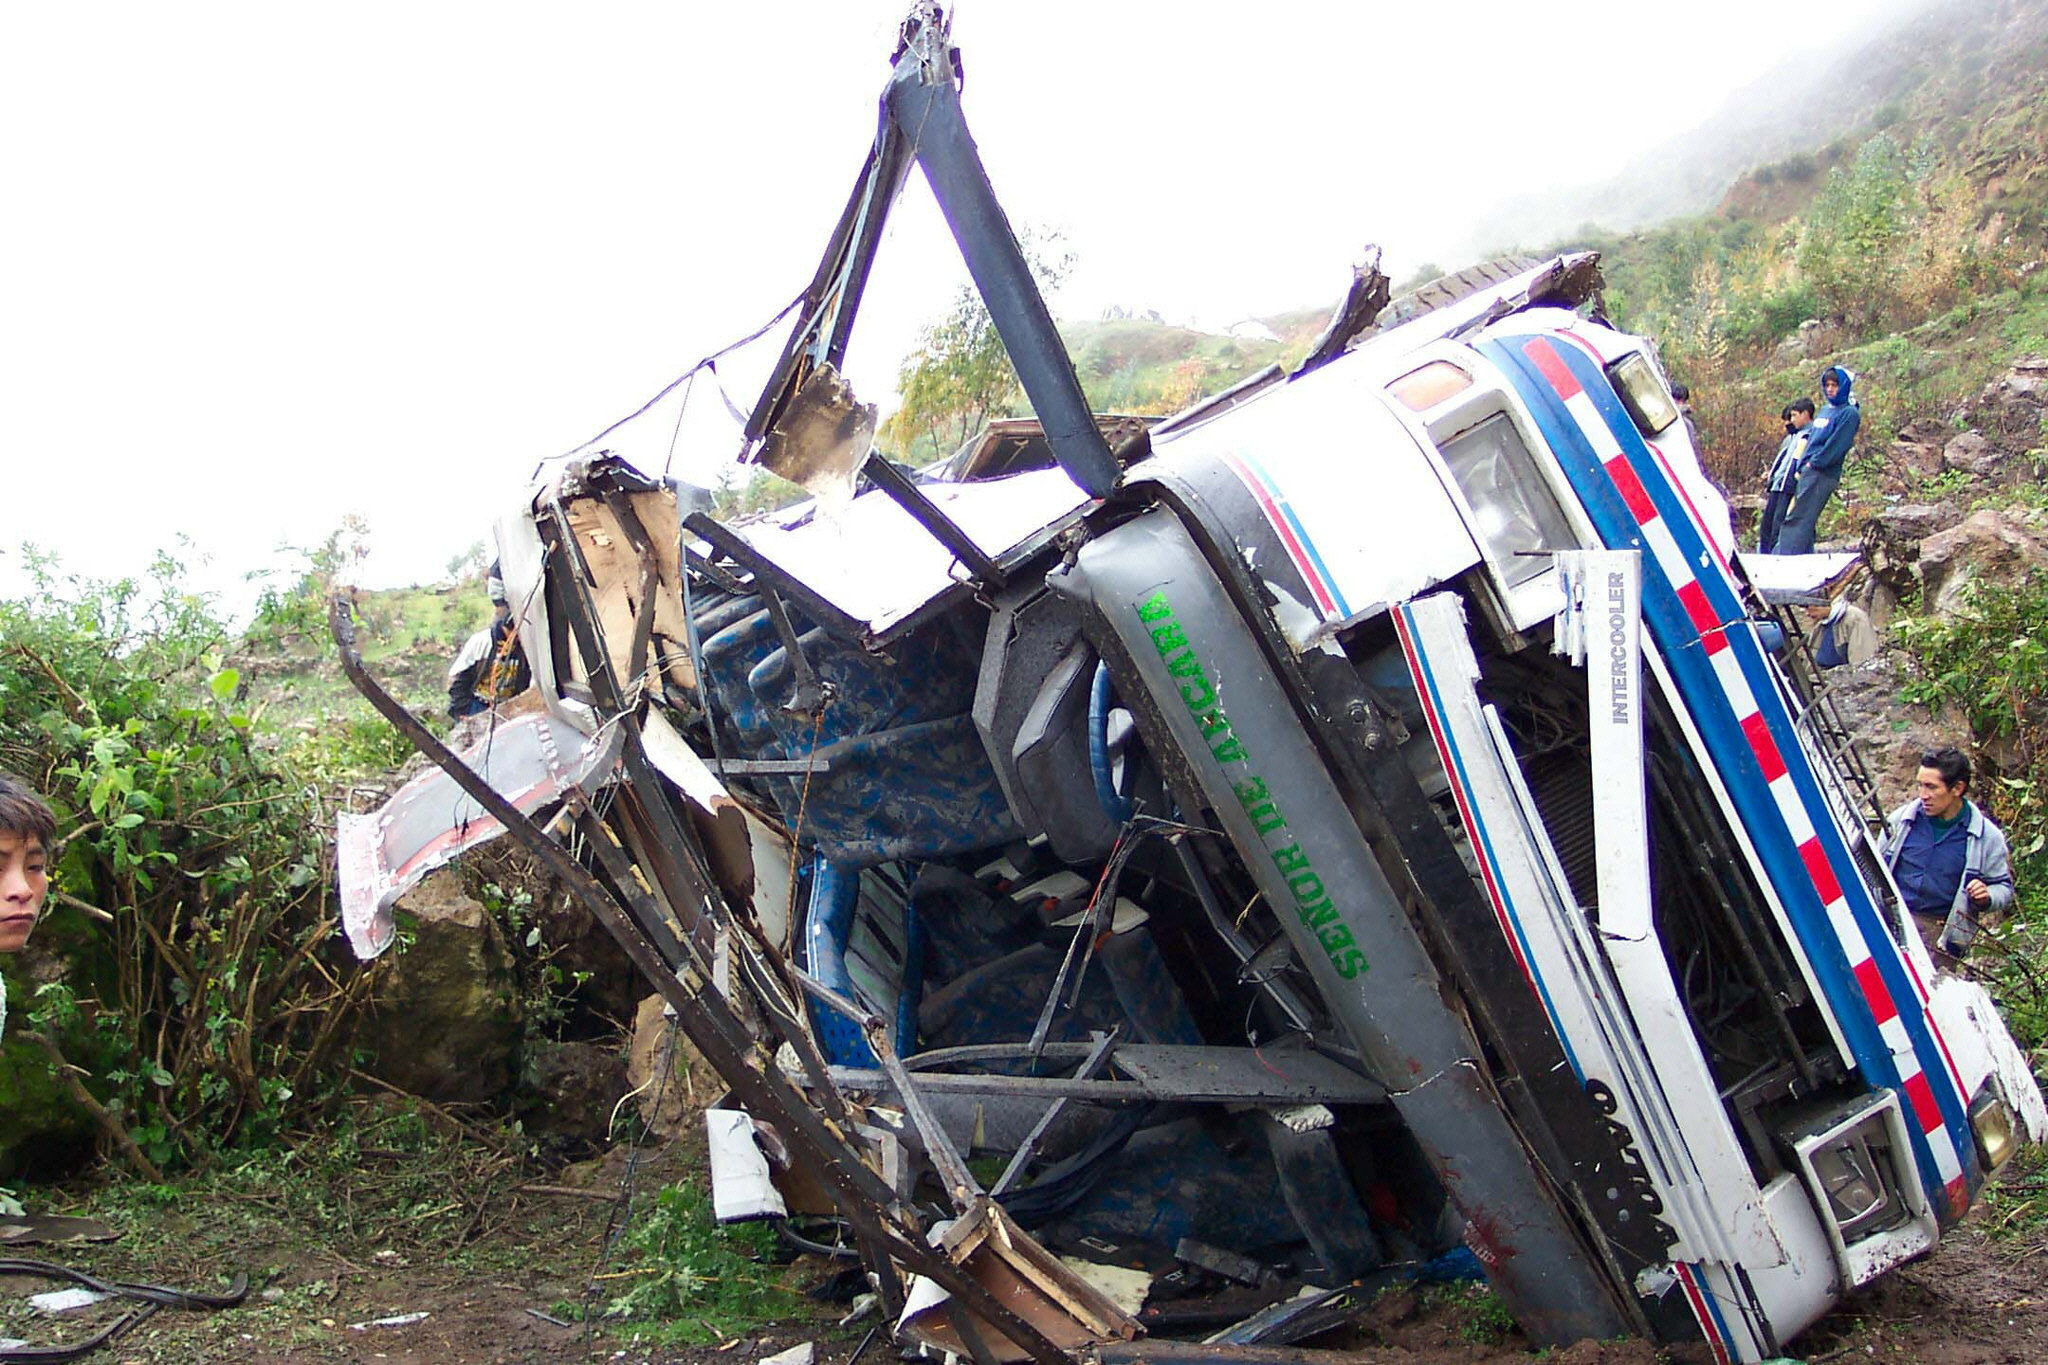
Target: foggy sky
(273, 264)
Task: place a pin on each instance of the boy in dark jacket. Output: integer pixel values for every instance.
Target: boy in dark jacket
(1820, 469)
(1784, 475)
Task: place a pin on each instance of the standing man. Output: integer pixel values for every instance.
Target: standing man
(1820, 469)
(1683, 395)
(27, 829)
(1948, 858)
(489, 668)
(1784, 474)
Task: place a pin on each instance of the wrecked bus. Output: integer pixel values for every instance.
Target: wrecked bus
(1352, 829)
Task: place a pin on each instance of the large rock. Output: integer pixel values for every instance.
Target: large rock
(1972, 453)
(1988, 544)
(1891, 550)
(44, 1132)
(2010, 408)
(1801, 343)
(569, 1090)
(1920, 458)
(1912, 522)
(670, 1080)
(446, 1025)
(607, 984)
(1887, 734)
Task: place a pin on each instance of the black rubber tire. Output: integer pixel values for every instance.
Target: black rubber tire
(1448, 289)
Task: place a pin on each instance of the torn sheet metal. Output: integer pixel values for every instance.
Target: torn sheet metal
(822, 438)
(721, 822)
(742, 1187)
(1028, 1279)
(1795, 578)
(876, 564)
(532, 762)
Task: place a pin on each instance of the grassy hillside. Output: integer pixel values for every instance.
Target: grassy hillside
(1910, 251)
(1799, 115)
(407, 635)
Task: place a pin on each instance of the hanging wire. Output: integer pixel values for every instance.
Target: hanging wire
(708, 362)
(620, 1218)
(682, 407)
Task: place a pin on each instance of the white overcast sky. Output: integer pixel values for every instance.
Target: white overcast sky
(268, 264)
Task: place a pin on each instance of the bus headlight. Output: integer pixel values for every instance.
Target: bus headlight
(1858, 1168)
(1992, 1122)
(1643, 393)
(1852, 1169)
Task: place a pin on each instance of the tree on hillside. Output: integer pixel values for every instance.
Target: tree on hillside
(960, 377)
(1851, 250)
(746, 490)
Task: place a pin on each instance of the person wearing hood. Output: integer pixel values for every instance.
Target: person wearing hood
(1820, 468)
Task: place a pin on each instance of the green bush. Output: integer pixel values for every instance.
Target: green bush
(1991, 660)
(692, 1280)
(207, 1013)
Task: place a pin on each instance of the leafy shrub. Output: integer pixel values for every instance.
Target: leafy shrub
(206, 1011)
(699, 1281)
(1991, 660)
(1770, 316)
(1849, 253)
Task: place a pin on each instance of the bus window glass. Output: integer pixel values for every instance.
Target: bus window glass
(1514, 513)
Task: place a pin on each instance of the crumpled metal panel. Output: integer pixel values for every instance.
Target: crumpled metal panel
(532, 762)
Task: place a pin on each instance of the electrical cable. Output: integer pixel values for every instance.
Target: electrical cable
(150, 1298)
(686, 375)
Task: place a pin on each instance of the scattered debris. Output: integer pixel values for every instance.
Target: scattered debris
(43, 1229)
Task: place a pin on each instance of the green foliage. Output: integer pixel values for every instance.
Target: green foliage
(1991, 661)
(2015, 1206)
(204, 1013)
(1487, 1320)
(407, 636)
(959, 378)
(547, 990)
(1849, 254)
(761, 491)
(693, 1280)
(296, 611)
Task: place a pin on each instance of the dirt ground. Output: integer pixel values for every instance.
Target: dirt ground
(503, 1297)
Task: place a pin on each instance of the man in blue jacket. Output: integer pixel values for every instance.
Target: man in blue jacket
(1949, 860)
(1820, 469)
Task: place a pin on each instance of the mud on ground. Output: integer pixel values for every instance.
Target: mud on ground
(532, 1257)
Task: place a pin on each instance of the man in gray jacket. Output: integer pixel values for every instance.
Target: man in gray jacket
(1948, 858)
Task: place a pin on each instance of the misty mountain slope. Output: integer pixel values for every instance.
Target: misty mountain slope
(1924, 73)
